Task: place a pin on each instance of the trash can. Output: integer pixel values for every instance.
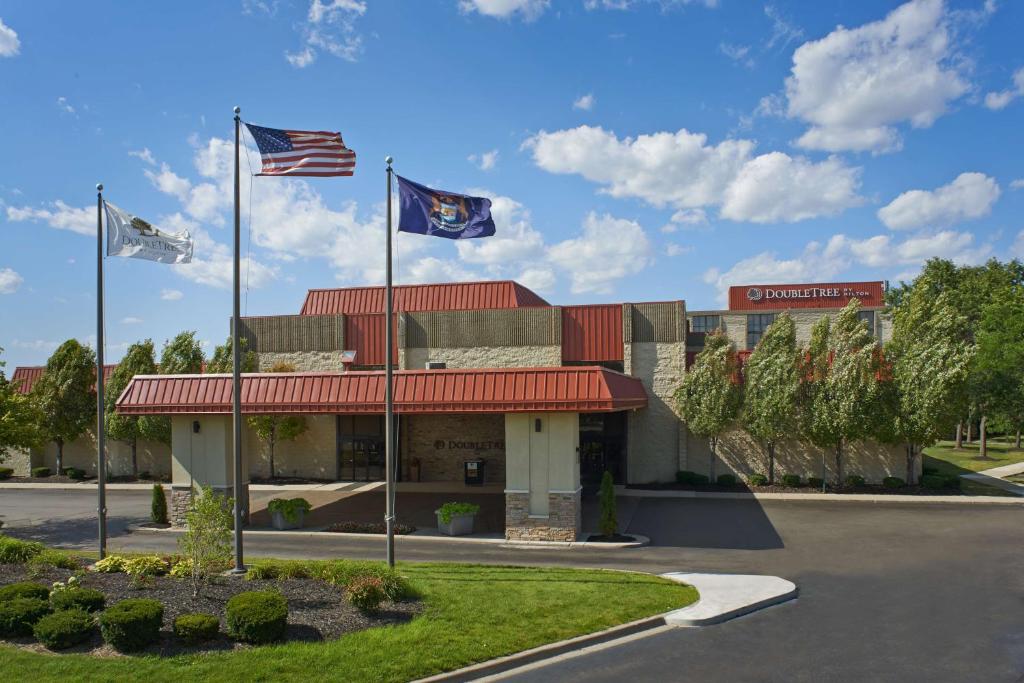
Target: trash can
(474, 472)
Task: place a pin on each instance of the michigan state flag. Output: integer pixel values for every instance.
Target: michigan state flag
(130, 236)
(444, 214)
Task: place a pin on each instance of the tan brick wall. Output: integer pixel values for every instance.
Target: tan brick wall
(443, 442)
(304, 361)
(656, 443)
(562, 523)
(486, 357)
(152, 457)
(20, 461)
(312, 454)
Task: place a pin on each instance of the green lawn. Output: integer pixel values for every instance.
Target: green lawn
(949, 461)
(472, 613)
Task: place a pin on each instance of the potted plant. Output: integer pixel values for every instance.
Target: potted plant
(288, 513)
(456, 519)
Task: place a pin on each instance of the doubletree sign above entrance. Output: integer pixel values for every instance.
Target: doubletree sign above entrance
(824, 295)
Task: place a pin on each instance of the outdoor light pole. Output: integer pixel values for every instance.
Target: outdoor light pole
(236, 367)
(389, 408)
(101, 465)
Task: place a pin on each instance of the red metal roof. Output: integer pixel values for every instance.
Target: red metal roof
(29, 375)
(364, 334)
(820, 295)
(592, 333)
(452, 296)
(514, 390)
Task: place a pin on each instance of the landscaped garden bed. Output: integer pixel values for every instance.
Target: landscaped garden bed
(368, 528)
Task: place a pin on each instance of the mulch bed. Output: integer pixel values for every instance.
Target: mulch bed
(277, 481)
(779, 488)
(368, 528)
(616, 538)
(316, 610)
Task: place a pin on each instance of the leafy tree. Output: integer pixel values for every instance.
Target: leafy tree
(222, 361)
(771, 388)
(276, 428)
(840, 388)
(929, 361)
(609, 523)
(20, 418)
(182, 355)
(66, 395)
(998, 375)
(710, 396)
(138, 360)
(206, 543)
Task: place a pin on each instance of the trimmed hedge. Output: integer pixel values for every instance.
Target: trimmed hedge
(758, 480)
(61, 630)
(132, 624)
(257, 617)
(691, 478)
(195, 628)
(6, 473)
(893, 483)
(85, 599)
(791, 480)
(726, 480)
(74, 473)
(16, 551)
(938, 481)
(24, 589)
(855, 480)
(18, 616)
(366, 593)
(41, 472)
(55, 558)
(815, 482)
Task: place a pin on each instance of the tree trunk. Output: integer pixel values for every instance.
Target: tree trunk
(970, 432)
(959, 437)
(910, 464)
(271, 444)
(839, 464)
(983, 435)
(1016, 443)
(714, 447)
(771, 463)
(135, 458)
(60, 456)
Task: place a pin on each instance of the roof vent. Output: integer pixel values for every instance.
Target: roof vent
(436, 365)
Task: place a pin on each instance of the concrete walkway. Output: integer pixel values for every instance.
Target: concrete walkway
(727, 596)
(996, 477)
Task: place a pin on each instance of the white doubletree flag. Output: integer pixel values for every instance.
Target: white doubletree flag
(129, 235)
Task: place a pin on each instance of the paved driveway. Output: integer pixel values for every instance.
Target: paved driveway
(889, 592)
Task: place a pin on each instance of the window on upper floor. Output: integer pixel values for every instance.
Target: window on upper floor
(757, 323)
(705, 323)
(869, 317)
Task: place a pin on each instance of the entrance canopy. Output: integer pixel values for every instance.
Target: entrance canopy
(471, 390)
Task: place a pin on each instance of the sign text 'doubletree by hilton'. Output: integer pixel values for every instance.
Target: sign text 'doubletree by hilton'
(826, 295)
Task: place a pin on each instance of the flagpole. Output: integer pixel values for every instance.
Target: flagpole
(236, 379)
(101, 466)
(389, 407)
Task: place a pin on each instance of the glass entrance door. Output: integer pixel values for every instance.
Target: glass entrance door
(361, 448)
(602, 448)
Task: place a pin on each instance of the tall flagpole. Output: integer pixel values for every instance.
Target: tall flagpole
(236, 366)
(101, 465)
(389, 407)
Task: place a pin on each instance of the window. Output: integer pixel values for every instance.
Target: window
(757, 323)
(705, 323)
(868, 316)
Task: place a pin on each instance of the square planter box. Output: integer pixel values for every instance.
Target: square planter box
(278, 521)
(461, 525)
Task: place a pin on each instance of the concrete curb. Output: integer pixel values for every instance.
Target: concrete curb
(86, 485)
(831, 497)
(715, 608)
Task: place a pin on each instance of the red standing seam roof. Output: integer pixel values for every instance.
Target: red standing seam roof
(512, 390)
(592, 333)
(451, 296)
(27, 376)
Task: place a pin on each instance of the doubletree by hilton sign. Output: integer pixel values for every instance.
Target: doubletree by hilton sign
(827, 295)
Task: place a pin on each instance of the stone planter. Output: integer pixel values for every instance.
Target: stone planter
(461, 525)
(278, 521)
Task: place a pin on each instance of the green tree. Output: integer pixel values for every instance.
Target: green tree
(138, 360)
(771, 387)
(272, 429)
(998, 370)
(928, 359)
(710, 396)
(182, 355)
(840, 390)
(609, 523)
(222, 362)
(66, 395)
(206, 543)
(20, 418)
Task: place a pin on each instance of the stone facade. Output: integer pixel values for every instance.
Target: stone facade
(563, 522)
(657, 441)
(484, 357)
(181, 501)
(442, 443)
(304, 361)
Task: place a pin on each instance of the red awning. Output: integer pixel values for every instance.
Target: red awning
(512, 390)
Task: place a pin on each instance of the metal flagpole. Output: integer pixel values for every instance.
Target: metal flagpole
(389, 407)
(236, 378)
(101, 465)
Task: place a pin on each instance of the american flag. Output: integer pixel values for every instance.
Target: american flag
(302, 152)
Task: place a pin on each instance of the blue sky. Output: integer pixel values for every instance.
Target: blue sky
(634, 149)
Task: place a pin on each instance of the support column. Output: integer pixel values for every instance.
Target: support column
(201, 455)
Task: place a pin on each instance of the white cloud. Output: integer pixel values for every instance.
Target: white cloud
(673, 249)
(130, 320)
(9, 43)
(330, 27)
(737, 53)
(628, 4)
(171, 294)
(505, 9)
(1017, 250)
(10, 281)
(783, 32)
(1017, 184)
(608, 249)
(585, 102)
(514, 244)
(62, 104)
(433, 269)
(143, 154)
(854, 85)
(539, 279)
(683, 171)
(968, 197)
(690, 217)
(36, 344)
(168, 182)
(485, 161)
(1000, 99)
(59, 215)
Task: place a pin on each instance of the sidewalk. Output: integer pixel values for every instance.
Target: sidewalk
(996, 477)
(831, 497)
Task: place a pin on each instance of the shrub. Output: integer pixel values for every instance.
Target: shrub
(690, 478)
(289, 507)
(609, 523)
(369, 528)
(926, 469)
(726, 480)
(854, 480)
(791, 480)
(182, 569)
(758, 480)
(61, 630)
(16, 551)
(132, 624)
(344, 572)
(55, 558)
(24, 589)
(111, 564)
(74, 473)
(145, 565)
(207, 540)
(933, 481)
(893, 483)
(40, 472)
(195, 628)
(18, 616)
(85, 599)
(158, 506)
(953, 482)
(367, 593)
(6, 473)
(257, 616)
(815, 482)
(449, 510)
